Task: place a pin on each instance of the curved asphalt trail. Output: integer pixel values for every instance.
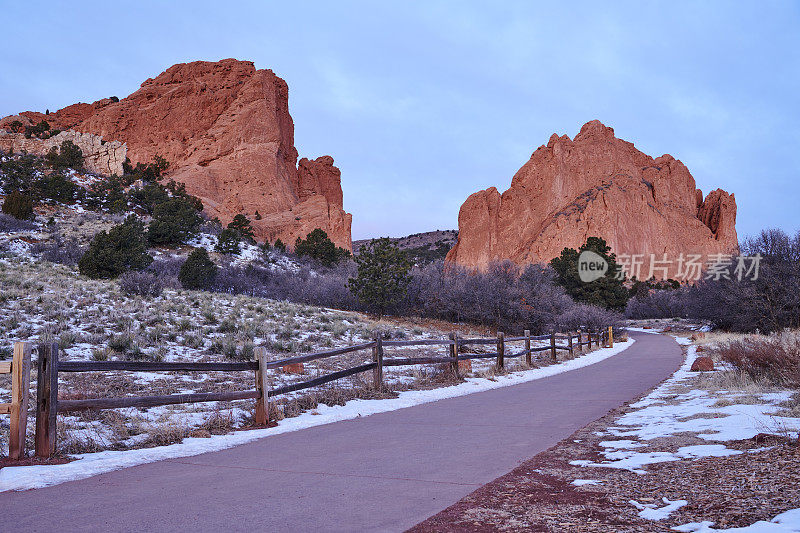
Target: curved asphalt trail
(385, 472)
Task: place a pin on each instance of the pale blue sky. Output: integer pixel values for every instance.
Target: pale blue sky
(423, 103)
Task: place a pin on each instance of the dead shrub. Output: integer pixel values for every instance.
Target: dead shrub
(164, 433)
(218, 423)
(775, 358)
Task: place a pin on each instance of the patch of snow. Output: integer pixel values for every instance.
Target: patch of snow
(20, 248)
(582, 482)
(787, 522)
(654, 418)
(248, 253)
(621, 444)
(204, 240)
(86, 465)
(705, 450)
(649, 511)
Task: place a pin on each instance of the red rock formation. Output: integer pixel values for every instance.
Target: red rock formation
(594, 185)
(226, 131)
(702, 364)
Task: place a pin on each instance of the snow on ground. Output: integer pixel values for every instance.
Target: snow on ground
(783, 523)
(696, 411)
(583, 482)
(86, 465)
(662, 413)
(642, 330)
(649, 511)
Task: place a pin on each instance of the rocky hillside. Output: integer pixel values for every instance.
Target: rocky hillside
(422, 248)
(594, 185)
(226, 132)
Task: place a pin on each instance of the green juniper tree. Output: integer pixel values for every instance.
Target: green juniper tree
(111, 253)
(68, 156)
(198, 271)
(18, 205)
(241, 224)
(383, 275)
(318, 246)
(607, 291)
(174, 222)
(228, 242)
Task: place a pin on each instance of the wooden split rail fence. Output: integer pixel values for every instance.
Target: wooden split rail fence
(48, 405)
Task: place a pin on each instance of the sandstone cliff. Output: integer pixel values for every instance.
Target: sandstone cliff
(226, 131)
(594, 185)
(98, 155)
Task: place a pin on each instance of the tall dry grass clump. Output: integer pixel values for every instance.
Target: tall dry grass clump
(775, 358)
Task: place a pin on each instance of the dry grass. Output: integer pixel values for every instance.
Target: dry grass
(772, 359)
(94, 320)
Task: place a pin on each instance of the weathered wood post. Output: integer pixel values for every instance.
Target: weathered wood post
(262, 402)
(377, 357)
(589, 339)
(528, 347)
(20, 383)
(501, 350)
(553, 347)
(46, 399)
(580, 340)
(569, 343)
(454, 352)
(610, 336)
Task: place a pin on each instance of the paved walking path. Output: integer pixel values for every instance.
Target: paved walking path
(385, 472)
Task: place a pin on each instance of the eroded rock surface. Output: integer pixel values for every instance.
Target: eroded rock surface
(98, 155)
(226, 131)
(595, 185)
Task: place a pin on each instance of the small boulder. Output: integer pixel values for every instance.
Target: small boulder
(702, 364)
(293, 368)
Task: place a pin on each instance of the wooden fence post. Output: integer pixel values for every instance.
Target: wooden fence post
(553, 347)
(528, 347)
(377, 357)
(47, 399)
(569, 343)
(589, 339)
(580, 340)
(262, 402)
(501, 350)
(454, 352)
(610, 336)
(20, 383)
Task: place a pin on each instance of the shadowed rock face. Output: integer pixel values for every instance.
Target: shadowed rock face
(226, 131)
(594, 185)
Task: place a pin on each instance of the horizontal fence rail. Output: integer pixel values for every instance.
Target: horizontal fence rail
(154, 366)
(48, 367)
